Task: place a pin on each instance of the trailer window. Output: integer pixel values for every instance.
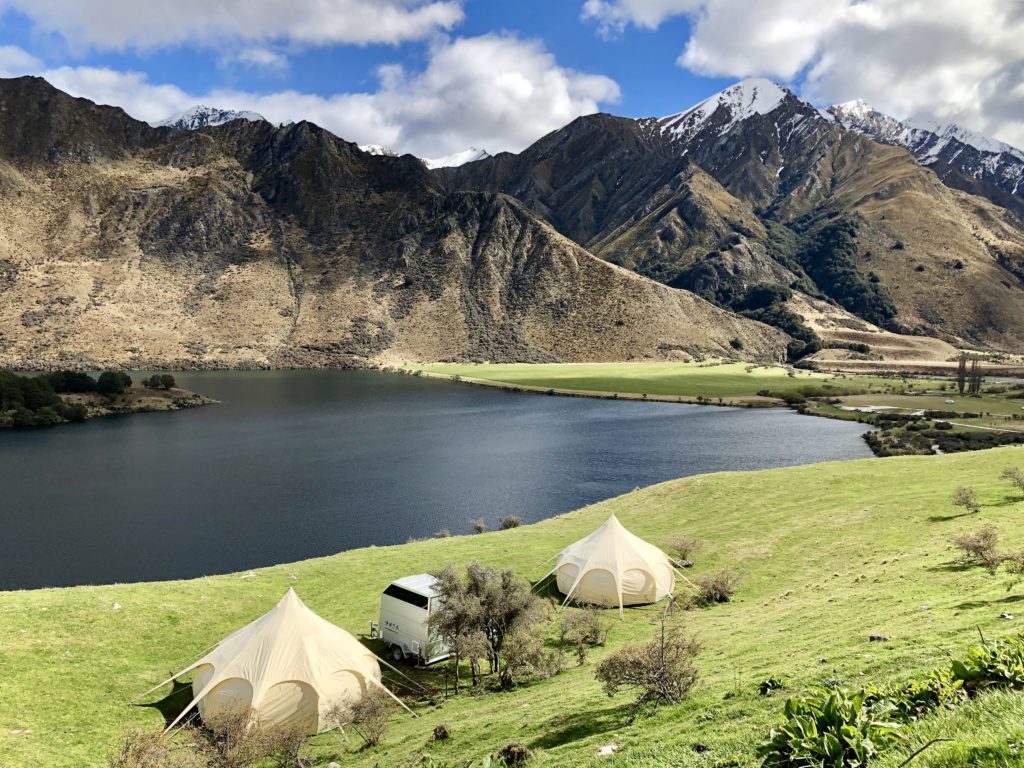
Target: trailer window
(403, 594)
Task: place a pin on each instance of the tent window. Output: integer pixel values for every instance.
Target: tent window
(406, 596)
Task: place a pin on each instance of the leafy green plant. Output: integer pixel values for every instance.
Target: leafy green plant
(831, 729)
(993, 664)
(919, 696)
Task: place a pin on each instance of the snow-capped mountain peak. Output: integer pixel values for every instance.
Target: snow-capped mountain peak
(470, 155)
(753, 96)
(378, 149)
(201, 116)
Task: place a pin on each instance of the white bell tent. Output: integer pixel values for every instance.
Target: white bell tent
(289, 667)
(613, 567)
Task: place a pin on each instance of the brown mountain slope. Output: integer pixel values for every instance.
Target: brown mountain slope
(724, 196)
(250, 245)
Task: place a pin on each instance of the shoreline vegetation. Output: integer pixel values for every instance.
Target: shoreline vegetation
(909, 415)
(65, 397)
(862, 587)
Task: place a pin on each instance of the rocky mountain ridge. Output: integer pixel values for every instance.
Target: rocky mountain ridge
(247, 244)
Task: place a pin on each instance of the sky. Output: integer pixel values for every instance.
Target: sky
(433, 77)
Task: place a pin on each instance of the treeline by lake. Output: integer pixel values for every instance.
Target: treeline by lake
(35, 401)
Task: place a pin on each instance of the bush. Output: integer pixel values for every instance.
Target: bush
(113, 383)
(736, 344)
(920, 696)
(159, 381)
(1015, 476)
(237, 739)
(965, 497)
(510, 521)
(143, 749)
(718, 588)
(830, 728)
(514, 754)
(684, 546)
(368, 717)
(659, 671)
(71, 381)
(479, 525)
(582, 628)
(442, 732)
(980, 547)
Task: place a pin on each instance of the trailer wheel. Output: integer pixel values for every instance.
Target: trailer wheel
(397, 654)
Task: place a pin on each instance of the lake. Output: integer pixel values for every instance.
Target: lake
(296, 464)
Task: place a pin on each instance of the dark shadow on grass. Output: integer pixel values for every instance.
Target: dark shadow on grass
(1009, 600)
(953, 566)
(564, 729)
(171, 705)
(944, 518)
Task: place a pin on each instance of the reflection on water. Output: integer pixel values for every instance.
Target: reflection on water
(294, 464)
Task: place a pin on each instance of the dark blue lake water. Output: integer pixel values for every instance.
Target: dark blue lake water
(295, 464)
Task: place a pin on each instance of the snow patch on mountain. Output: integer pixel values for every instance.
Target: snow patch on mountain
(201, 116)
(753, 96)
(470, 155)
(378, 149)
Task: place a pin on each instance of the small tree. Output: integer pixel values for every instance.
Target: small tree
(684, 546)
(580, 629)
(369, 716)
(167, 381)
(965, 497)
(112, 383)
(1015, 476)
(974, 379)
(981, 548)
(961, 374)
(659, 671)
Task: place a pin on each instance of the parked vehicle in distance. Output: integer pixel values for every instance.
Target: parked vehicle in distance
(405, 608)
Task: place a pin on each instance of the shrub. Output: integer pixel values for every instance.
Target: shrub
(1015, 476)
(830, 728)
(368, 716)
(659, 671)
(514, 754)
(112, 383)
(736, 344)
(444, 533)
(442, 732)
(980, 547)
(580, 629)
(159, 381)
(236, 739)
(143, 749)
(479, 525)
(684, 546)
(965, 497)
(510, 521)
(718, 588)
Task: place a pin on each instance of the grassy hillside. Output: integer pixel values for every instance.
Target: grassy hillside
(828, 553)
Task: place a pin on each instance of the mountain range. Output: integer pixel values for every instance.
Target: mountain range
(752, 226)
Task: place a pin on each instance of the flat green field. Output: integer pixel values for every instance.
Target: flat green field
(691, 380)
(828, 554)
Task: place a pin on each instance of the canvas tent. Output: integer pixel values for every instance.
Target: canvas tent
(613, 567)
(289, 667)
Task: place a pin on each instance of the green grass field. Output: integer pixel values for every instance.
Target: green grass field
(690, 380)
(828, 554)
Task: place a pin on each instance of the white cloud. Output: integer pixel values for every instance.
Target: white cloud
(256, 57)
(495, 91)
(945, 60)
(142, 24)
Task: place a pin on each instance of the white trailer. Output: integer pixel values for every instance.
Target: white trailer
(405, 608)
